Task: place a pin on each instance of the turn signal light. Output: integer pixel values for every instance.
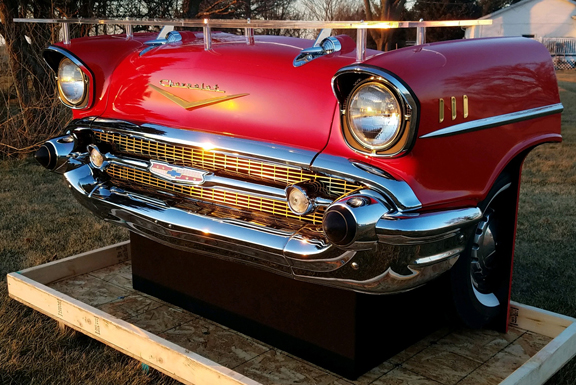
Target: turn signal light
(298, 200)
(96, 157)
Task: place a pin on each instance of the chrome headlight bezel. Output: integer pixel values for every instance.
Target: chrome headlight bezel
(353, 125)
(53, 56)
(348, 80)
(82, 101)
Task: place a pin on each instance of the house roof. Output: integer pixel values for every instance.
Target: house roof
(520, 3)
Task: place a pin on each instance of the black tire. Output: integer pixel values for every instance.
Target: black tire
(480, 278)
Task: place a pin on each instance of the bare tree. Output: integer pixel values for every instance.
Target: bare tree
(445, 10)
(322, 9)
(29, 74)
(384, 10)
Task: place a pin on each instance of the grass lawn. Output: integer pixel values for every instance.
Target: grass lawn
(41, 222)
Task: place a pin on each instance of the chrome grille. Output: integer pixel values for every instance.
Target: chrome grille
(216, 161)
(218, 196)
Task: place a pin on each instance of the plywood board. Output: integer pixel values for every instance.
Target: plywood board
(92, 293)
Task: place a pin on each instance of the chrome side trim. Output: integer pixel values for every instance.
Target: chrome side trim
(495, 121)
(391, 226)
(274, 153)
(399, 193)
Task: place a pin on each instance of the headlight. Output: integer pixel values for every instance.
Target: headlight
(71, 83)
(374, 116)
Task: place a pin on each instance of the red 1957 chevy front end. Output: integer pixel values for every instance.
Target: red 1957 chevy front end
(375, 175)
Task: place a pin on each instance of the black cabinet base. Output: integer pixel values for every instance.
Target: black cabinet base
(345, 332)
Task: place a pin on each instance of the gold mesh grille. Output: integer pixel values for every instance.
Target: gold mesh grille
(228, 198)
(214, 161)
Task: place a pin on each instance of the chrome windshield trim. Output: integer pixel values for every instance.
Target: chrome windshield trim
(398, 192)
(495, 121)
(274, 153)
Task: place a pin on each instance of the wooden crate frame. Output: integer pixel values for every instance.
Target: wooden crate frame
(29, 287)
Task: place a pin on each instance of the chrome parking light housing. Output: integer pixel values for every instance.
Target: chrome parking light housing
(97, 159)
(298, 200)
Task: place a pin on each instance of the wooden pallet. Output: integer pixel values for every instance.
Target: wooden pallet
(92, 293)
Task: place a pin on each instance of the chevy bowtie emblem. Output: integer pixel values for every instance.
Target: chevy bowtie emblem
(177, 174)
(195, 104)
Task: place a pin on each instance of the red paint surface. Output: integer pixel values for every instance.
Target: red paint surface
(296, 106)
(499, 76)
(102, 54)
(284, 104)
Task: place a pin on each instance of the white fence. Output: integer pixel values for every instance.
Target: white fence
(563, 51)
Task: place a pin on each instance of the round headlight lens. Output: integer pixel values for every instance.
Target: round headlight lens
(374, 116)
(71, 82)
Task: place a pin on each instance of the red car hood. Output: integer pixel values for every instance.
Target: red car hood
(235, 89)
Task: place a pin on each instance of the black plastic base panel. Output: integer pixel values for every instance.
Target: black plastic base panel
(345, 332)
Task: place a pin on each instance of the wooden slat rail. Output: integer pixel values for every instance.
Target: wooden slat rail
(79, 264)
(29, 287)
(169, 358)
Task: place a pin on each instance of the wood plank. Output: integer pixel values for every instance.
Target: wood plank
(79, 264)
(191, 368)
(547, 361)
(175, 361)
(538, 320)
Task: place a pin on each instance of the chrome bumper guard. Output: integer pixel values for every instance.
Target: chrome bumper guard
(417, 252)
(370, 243)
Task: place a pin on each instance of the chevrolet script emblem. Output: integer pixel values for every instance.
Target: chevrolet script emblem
(177, 174)
(192, 105)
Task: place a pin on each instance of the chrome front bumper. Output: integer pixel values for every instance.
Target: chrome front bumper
(395, 252)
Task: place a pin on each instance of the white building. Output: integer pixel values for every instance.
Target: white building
(530, 18)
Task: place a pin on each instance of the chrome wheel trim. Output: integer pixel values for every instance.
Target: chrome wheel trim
(483, 260)
(488, 300)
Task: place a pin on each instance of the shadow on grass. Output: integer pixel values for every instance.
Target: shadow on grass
(41, 222)
(544, 268)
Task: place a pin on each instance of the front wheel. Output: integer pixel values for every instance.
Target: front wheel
(480, 279)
